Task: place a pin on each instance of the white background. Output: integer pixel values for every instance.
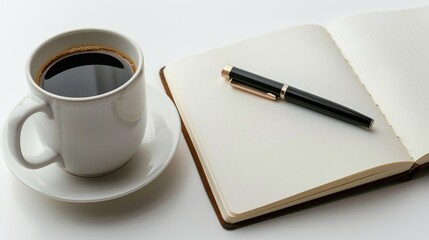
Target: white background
(175, 205)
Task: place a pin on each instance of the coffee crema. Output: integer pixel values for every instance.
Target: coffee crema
(85, 71)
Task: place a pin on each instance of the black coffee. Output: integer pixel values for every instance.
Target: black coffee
(85, 73)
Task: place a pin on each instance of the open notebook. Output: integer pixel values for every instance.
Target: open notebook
(258, 156)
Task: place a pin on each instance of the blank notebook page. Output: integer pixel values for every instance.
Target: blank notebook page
(256, 151)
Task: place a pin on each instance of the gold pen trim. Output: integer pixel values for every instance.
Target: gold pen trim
(269, 96)
(283, 91)
(225, 71)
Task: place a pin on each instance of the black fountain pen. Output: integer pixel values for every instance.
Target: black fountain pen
(270, 89)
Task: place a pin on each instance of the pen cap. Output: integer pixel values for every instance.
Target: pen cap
(252, 80)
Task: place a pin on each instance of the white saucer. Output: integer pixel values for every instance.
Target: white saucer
(156, 151)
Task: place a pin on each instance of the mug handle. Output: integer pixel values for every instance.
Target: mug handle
(27, 107)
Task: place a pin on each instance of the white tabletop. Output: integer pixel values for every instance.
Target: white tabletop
(175, 205)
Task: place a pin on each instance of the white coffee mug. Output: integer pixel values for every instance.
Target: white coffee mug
(87, 136)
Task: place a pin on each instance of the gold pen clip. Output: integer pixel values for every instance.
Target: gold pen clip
(248, 89)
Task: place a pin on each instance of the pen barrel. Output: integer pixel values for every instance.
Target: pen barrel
(313, 102)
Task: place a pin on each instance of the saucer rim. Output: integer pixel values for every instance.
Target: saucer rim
(106, 197)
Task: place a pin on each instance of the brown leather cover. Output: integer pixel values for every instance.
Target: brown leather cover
(349, 192)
